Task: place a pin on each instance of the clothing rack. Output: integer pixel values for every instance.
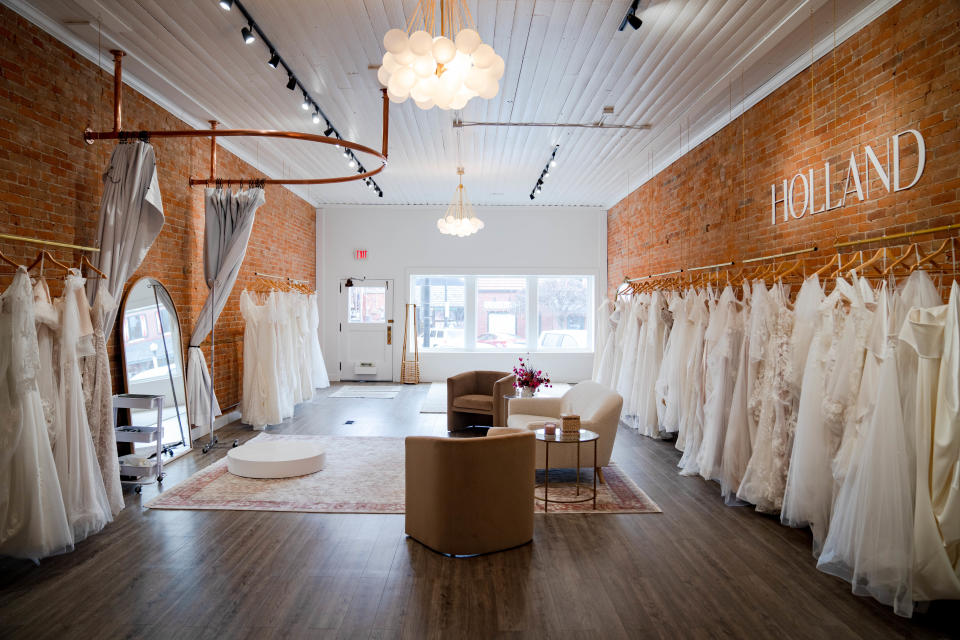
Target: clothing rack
(49, 243)
(729, 263)
(287, 278)
(895, 236)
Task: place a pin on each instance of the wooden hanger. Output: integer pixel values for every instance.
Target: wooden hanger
(872, 263)
(845, 267)
(790, 269)
(45, 255)
(930, 259)
(9, 261)
(907, 253)
(84, 261)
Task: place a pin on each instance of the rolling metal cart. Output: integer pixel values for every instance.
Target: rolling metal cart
(140, 435)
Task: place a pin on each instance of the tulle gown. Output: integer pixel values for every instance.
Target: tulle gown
(669, 385)
(691, 412)
(871, 535)
(607, 357)
(84, 496)
(738, 442)
(628, 367)
(33, 519)
(654, 336)
(723, 339)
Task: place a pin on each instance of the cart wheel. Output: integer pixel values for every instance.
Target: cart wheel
(160, 478)
(138, 489)
(236, 443)
(206, 448)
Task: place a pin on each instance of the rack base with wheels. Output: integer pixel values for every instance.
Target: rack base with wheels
(147, 434)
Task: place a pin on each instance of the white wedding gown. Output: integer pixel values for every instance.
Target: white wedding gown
(321, 380)
(33, 520)
(84, 495)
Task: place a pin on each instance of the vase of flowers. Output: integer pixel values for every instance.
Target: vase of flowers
(529, 379)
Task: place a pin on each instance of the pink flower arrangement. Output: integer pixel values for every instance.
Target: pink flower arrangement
(528, 377)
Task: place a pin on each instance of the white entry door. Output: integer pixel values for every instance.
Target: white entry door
(366, 330)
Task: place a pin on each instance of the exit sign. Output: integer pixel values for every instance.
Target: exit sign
(359, 254)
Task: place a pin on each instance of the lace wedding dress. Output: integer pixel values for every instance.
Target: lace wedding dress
(33, 520)
(321, 380)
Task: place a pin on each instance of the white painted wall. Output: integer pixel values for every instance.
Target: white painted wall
(401, 241)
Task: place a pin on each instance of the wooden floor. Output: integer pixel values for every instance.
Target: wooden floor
(698, 570)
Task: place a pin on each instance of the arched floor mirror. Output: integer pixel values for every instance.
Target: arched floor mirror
(153, 362)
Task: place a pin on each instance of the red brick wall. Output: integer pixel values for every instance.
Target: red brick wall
(50, 186)
(713, 204)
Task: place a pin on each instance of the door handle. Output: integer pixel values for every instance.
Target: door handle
(389, 334)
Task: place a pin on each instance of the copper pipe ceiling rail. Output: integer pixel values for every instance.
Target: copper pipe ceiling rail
(116, 134)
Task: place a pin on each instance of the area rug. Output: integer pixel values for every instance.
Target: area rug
(362, 391)
(360, 475)
(619, 494)
(363, 475)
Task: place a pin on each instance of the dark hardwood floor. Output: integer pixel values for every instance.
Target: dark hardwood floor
(698, 570)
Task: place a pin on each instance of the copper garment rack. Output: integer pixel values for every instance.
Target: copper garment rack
(214, 133)
(895, 236)
(48, 243)
(273, 277)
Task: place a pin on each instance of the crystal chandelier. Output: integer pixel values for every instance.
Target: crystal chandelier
(442, 68)
(460, 220)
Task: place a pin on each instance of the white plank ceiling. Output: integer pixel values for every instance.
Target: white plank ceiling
(685, 72)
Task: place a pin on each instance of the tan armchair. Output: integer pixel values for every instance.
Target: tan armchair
(476, 398)
(599, 410)
(467, 496)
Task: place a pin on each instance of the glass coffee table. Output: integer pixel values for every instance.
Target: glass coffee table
(585, 435)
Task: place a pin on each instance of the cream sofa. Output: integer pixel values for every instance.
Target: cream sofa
(599, 410)
(467, 496)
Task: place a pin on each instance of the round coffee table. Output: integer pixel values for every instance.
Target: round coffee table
(585, 435)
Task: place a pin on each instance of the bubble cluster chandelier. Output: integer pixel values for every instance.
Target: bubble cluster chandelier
(443, 69)
(460, 220)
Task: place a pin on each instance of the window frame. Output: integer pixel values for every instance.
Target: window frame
(533, 329)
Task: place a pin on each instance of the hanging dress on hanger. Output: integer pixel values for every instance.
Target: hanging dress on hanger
(667, 386)
(48, 328)
(600, 340)
(737, 443)
(870, 540)
(98, 398)
(84, 496)
(33, 520)
(936, 576)
(691, 407)
(723, 338)
(651, 358)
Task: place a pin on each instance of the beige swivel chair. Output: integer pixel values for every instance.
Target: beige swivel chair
(467, 496)
(599, 410)
(476, 398)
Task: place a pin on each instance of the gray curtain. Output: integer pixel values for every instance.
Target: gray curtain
(131, 216)
(229, 221)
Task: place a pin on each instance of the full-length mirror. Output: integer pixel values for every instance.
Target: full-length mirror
(153, 361)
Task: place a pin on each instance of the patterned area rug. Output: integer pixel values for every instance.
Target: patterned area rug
(619, 494)
(365, 475)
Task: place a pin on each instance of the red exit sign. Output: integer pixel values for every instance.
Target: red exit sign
(359, 254)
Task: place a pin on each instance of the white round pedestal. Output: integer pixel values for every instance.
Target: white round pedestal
(275, 459)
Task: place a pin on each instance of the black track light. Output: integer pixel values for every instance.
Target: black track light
(631, 17)
(328, 131)
(291, 83)
(226, 5)
(305, 105)
(316, 117)
(545, 174)
(531, 196)
(247, 33)
(274, 59)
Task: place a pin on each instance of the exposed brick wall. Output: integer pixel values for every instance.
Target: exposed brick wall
(50, 186)
(713, 204)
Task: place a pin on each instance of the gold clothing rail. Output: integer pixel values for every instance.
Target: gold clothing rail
(49, 243)
(894, 236)
(780, 255)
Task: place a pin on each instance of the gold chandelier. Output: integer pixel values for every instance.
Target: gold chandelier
(460, 220)
(443, 68)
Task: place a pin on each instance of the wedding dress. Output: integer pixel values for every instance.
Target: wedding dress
(605, 371)
(304, 350)
(33, 520)
(600, 340)
(655, 332)
(765, 478)
(936, 575)
(84, 496)
(261, 400)
(738, 442)
(48, 326)
(871, 533)
(723, 339)
(669, 385)
(98, 398)
(628, 368)
(691, 412)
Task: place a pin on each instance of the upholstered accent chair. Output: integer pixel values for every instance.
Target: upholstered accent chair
(598, 407)
(476, 398)
(467, 496)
